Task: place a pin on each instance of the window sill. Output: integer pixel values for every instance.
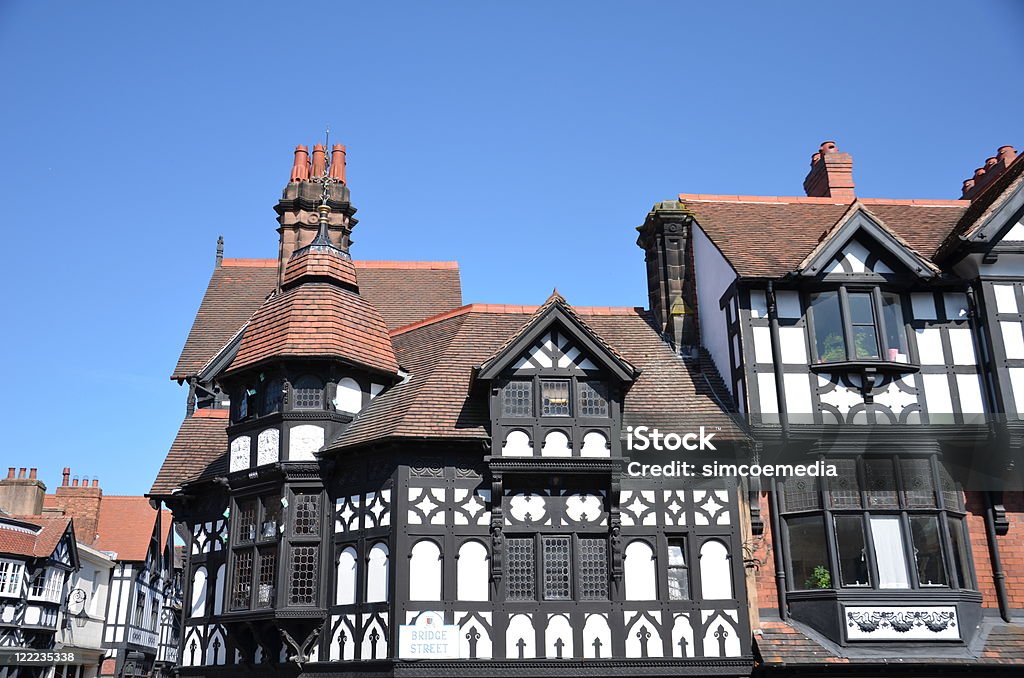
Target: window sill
(867, 367)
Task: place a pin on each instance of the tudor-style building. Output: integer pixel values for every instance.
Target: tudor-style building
(37, 556)
(365, 458)
(882, 336)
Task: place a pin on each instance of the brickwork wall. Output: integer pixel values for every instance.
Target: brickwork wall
(83, 505)
(1011, 548)
(763, 572)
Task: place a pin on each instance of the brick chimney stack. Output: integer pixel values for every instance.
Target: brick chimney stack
(984, 176)
(22, 495)
(80, 501)
(831, 174)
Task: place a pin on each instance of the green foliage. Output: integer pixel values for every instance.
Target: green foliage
(820, 578)
(832, 349)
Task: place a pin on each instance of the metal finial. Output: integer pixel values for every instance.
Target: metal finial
(326, 180)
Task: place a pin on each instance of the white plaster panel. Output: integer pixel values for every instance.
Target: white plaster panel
(348, 396)
(239, 454)
(468, 622)
(762, 344)
(962, 344)
(640, 576)
(520, 632)
(472, 572)
(556, 444)
(304, 441)
(198, 592)
(901, 623)
(517, 444)
(855, 255)
(923, 304)
(268, 447)
(377, 574)
(895, 398)
(558, 629)
(969, 387)
(640, 626)
(375, 390)
(793, 345)
(595, 445)
(1017, 386)
(1006, 299)
(798, 393)
(346, 590)
(727, 620)
(936, 393)
(787, 304)
(596, 628)
(1015, 234)
(1013, 339)
(682, 630)
(929, 346)
(425, 571)
(766, 393)
(715, 573)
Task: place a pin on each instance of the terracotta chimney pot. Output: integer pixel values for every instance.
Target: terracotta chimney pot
(67, 474)
(831, 174)
(32, 473)
(74, 482)
(978, 173)
(1007, 154)
(815, 158)
(829, 147)
(990, 163)
(338, 163)
(10, 472)
(319, 160)
(21, 472)
(300, 168)
(95, 482)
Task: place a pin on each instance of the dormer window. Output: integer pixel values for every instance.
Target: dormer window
(308, 394)
(554, 395)
(593, 399)
(858, 324)
(517, 399)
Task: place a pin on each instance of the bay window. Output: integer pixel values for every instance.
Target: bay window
(254, 552)
(889, 522)
(572, 567)
(855, 324)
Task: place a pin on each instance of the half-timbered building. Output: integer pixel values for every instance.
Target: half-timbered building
(885, 338)
(377, 479)
(37, 556)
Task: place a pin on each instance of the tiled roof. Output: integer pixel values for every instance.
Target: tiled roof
(403, 291)
(986, 201)
(39, 544)
(199, 451)
(770, 236)
(126, 527)
(786, 645)
(317, 319)
(440, 357)
(317, 264)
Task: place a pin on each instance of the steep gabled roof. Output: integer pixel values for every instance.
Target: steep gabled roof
(858, 219)
(987, 203)
(435, 401)
(403, 291)
(32, 536)
(556, 310)
(768, 236)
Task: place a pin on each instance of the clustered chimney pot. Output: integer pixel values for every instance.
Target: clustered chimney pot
(300, 169)
(831, 174)
(984, 176)
(10, 472)
(319, 160)
(67, 474)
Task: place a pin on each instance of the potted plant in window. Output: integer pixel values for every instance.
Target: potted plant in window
(820, 578)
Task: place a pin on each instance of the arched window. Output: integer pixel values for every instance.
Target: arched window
(346, 594)
(349, 397)
(308, 394)
(377, 574)
(715, 571)
(472, 571)
(425, 571)
(198, 607)
(273, 393)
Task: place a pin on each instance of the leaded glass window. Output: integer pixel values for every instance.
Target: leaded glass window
(517, 399)
(305, 561)
(554, 398)
(241, 580)
(593, 568)
(918, 486)
(593, 399)
(557, 552)
(521, 569)
(880, 478)
(801, 494)
(844, 489)
(308, 394)
(306, 520)
(245, 521)
(267, 577)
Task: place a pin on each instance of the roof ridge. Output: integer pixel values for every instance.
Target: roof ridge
(808, 200)
(359, 263)
(512, 309)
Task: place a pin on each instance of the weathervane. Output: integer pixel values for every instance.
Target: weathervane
(326, 180)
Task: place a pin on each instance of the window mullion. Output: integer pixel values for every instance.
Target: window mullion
(883, 337)
(830, 535)
(909, 549)
(844, 312)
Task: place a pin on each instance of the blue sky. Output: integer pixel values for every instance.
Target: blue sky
(526, 140)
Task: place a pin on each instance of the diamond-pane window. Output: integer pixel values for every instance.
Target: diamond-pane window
(555, 397)
(304, 575)
(593, 398)
(844, 489)
(245, 522)
(308, 394)
(517, 399)
(267, 577)
(880, 478)
(241, 581)
(951, 495)
(801, 494)
(521, 569)
(557, 552)
(306, 520)
(918, 486)
(593, 566)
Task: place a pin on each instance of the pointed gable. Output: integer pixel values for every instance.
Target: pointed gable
(860, 243)
(556, 338)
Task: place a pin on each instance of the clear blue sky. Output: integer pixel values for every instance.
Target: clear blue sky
(526, 140)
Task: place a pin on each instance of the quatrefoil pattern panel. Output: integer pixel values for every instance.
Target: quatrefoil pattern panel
(711, 507)
(472, 507)
(378, 509)
(556, 508)
(426, 506)
(347, 511)
(638, 507)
